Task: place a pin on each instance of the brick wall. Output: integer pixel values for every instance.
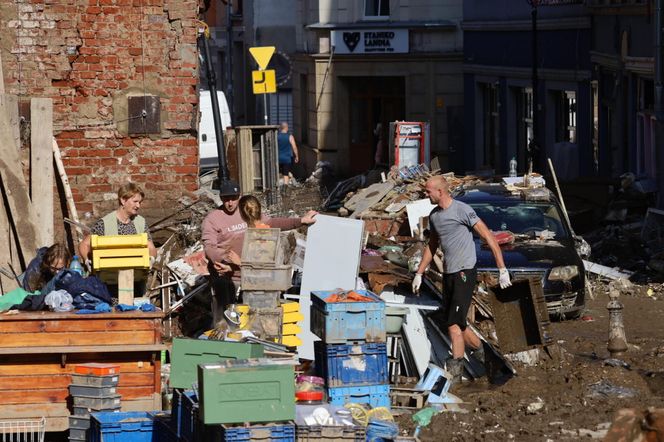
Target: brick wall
(89, 56)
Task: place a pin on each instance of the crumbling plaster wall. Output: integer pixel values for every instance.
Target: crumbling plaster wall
(89, 56)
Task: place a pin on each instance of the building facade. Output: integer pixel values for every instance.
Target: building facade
(103, 64)
(362, 64)
(623, 60)
(503, 116)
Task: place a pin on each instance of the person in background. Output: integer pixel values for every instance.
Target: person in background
(287, 152)
(48, 262)
(125, 220)
(452, 223)
(251, 212)
(222, 235)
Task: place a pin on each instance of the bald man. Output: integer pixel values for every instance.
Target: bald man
(452, 223)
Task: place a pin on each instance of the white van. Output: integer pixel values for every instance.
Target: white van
(207, 140)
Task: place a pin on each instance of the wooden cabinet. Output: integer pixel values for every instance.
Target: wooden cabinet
(38, 352)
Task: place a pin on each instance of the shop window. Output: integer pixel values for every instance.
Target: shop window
(566, 117)
(491, 125)
(376, 9)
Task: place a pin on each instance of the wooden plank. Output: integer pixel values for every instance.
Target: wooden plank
(126, 286)
(41, 166)
(44, 315)
(245, 160)
(54, 395)
(92, 349)
(28, 411)
(60, 325)
(51, 364)
(9, 254)
(48, 340)
(15, 190)
(18, 382)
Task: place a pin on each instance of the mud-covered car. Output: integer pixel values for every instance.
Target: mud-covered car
(545, 246)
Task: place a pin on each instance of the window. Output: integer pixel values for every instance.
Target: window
(376, 8)
(566, 117)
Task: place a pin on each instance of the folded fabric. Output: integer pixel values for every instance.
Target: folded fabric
(102, 307)
(125, 307)
(147, 307)
(12, 298)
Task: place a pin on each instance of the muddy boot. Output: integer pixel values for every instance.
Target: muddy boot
(478, 353)
(455, 369)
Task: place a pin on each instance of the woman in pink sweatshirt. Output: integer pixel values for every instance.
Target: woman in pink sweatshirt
(223, 234)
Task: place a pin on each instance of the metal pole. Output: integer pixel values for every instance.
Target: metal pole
(218, 130)
(534, 142)
(265, 108)
(229, 57)
(659, 72)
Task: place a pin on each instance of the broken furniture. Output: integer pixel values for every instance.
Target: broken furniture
(122, 254)
(520, 315)
(40, 350)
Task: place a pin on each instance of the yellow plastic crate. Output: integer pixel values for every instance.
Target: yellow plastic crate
(110, 259)
(291, 341)
(292, 318)
(119, 241)
(290, 306)
(290, 329)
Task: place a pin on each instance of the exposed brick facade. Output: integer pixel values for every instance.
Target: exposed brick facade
(88, 56)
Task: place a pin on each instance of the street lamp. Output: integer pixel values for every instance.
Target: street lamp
(532, 144)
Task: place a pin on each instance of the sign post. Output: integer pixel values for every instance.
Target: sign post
(263, 81)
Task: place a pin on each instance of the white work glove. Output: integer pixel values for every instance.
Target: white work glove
(504, 278)
(417, 282)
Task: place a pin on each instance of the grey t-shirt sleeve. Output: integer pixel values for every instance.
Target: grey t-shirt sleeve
(467, 215)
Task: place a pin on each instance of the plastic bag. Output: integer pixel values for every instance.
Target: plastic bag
(59, 301)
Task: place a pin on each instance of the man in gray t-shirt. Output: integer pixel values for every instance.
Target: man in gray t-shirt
(452, 223)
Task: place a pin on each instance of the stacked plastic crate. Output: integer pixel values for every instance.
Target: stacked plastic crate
(352, 354)
(264, 277)
(93, 388)
(250, 399)
(186, 355)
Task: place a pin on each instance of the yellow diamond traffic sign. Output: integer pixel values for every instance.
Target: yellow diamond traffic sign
(262, 55)
(264, 82)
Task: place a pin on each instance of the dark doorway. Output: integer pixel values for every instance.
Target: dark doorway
(374, 103)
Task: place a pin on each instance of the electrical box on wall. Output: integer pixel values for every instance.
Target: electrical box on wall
(144, 114)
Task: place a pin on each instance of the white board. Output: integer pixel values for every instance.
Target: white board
(416, 210)
(331, 261)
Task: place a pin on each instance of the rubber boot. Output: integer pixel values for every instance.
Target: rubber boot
(455, 369)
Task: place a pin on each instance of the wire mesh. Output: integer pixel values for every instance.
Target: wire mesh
(24, 430)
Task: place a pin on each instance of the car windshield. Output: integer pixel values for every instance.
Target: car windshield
(522, 217)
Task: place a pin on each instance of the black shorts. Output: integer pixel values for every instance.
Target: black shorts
(285, 168)
(458, 291)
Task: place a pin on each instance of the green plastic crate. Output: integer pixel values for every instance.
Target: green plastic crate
(188, 353)
(255, 390)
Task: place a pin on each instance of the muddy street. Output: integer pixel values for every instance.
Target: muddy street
(573, 393)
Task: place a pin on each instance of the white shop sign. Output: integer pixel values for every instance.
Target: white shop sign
(370, 41)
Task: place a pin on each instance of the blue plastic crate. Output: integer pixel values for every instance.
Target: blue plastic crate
(346, 322)
(346, 365)
(177, 409)
(272, 432)
(190, 427)
(134, 426)
(163, 431)
(372, 395)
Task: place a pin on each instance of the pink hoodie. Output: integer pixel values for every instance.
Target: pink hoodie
(223, 232)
